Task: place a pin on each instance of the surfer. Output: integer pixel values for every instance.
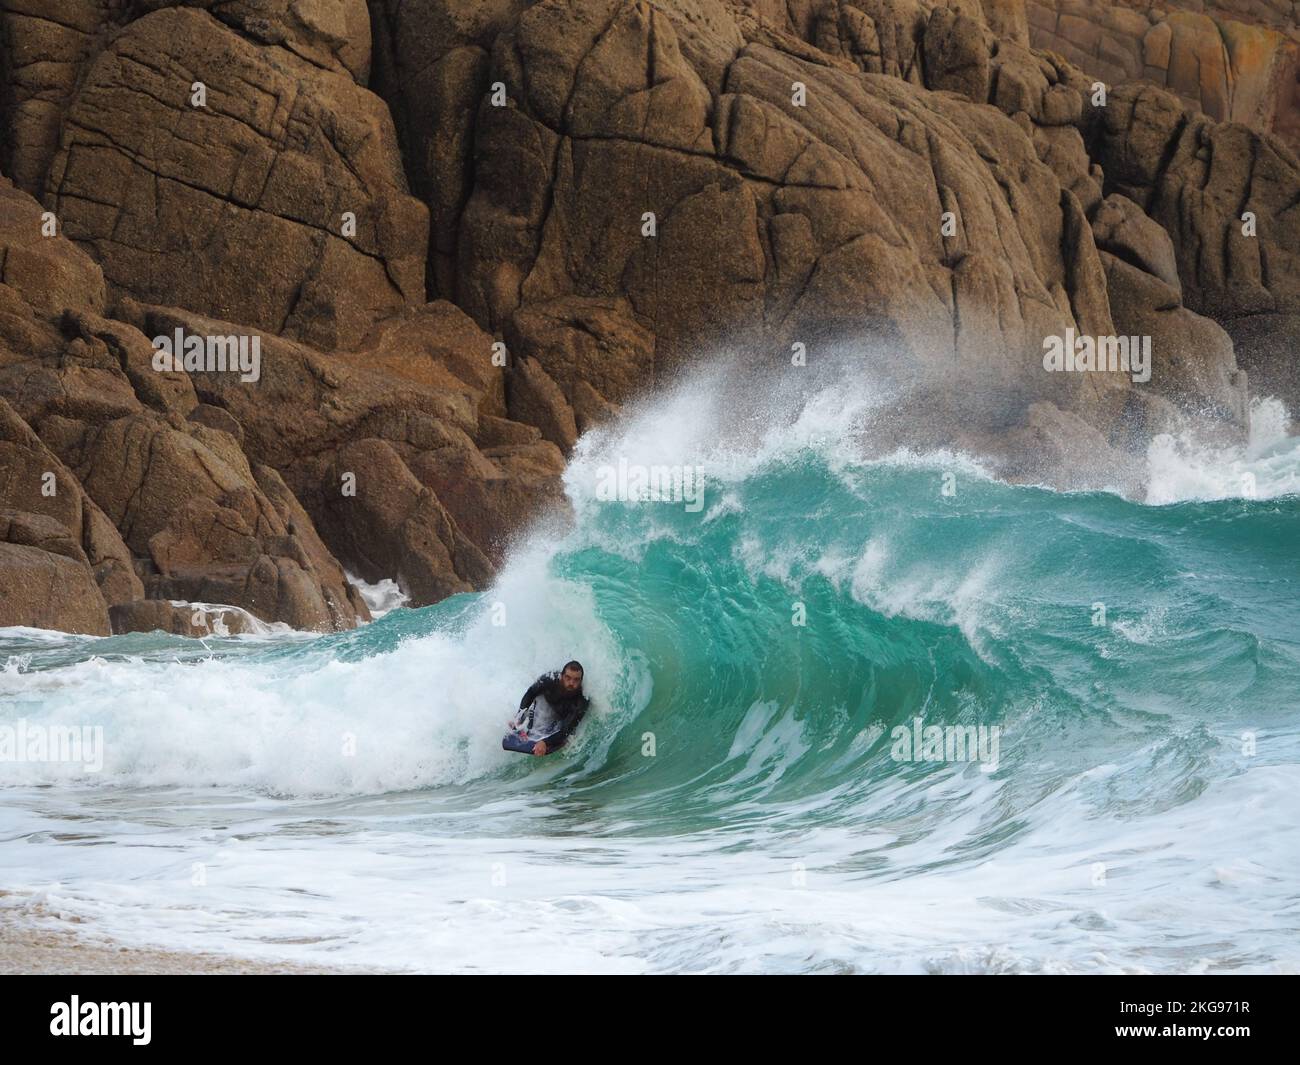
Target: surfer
(550, 710)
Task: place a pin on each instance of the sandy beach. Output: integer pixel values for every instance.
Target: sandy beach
(28, 947)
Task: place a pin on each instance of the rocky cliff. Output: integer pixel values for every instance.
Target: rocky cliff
(1232, 60)
(458, 233)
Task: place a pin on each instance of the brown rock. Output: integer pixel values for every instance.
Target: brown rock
(1085, 277)
(431, 64)
(424, 385)
(218, 418)
(45, 578)
(48, 273)
(493, 495)
(501, 432)
(183, 619)
(533, 397)
(189, 503)
(1230, 61)
(1197, 178)
(439, 347)
(33, 481)
(590, 408)
(46, 45)
(393, 527)
(1192, 357)
(957, 55)
(257, 184)
(587, 340)
(1120, 227)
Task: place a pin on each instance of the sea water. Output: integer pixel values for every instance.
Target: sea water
(735, 801)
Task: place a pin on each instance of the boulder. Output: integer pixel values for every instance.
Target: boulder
(394, 527)
(535, 398)
(33, 481)
(177, 619)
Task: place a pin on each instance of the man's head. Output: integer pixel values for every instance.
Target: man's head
(571, 677)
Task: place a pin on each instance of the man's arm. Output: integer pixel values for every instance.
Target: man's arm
(534, 691)
(558, 739)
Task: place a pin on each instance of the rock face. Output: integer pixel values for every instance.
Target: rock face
(41, 495)
(459, 233)
(38, 488)
(285, 208)
(652, 183)
(1233, 60)
(431, 63)
(283, 211)
(1225, 195)
(45, 579)
(47, 43)
(167, 486)
(395, 442)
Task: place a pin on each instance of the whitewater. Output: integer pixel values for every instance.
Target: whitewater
(734, 803)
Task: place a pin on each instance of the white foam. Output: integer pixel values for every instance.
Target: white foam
(27, 634)
(381, 597)
(1149, 629)
(699, 423)
(213, 617)
(1185, 467)
(428, 713)
(1204, 885)
(926, 591)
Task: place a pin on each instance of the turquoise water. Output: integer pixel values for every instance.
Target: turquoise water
(739, 800)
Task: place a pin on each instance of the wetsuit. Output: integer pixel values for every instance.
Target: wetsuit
(552, 721)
